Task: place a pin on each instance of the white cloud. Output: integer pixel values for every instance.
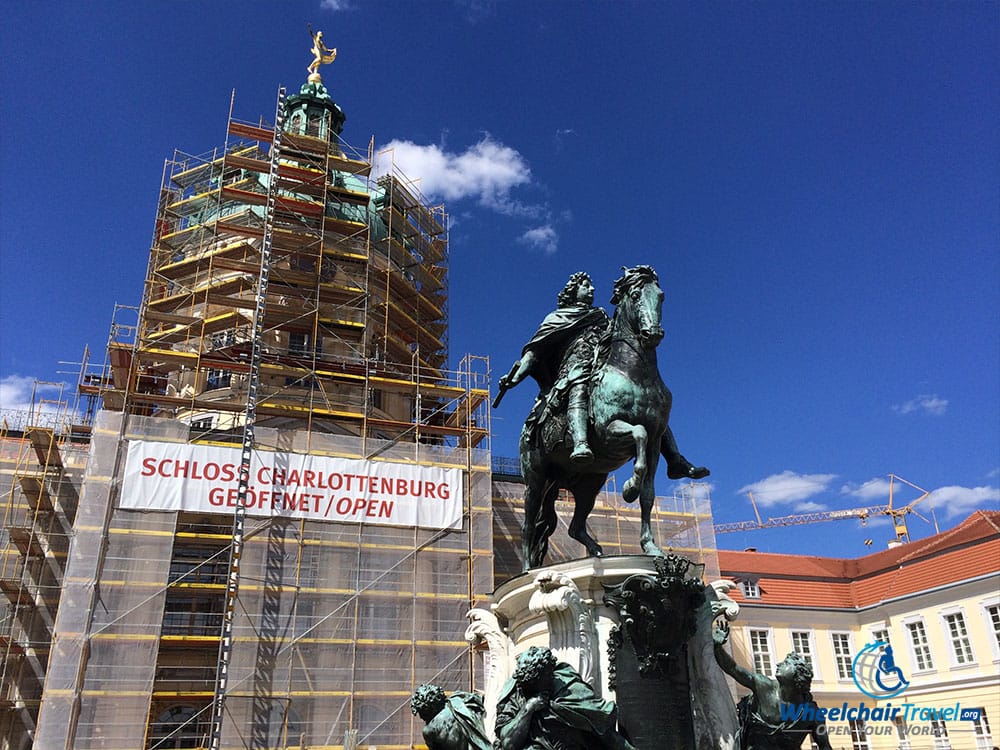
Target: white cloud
(930, 404)
(873, 489)
(544, 238)
(15, 400)
(961, 501)
(334, 5)
(787, 487)
(486, 171)
(15, 392)
(809, 507)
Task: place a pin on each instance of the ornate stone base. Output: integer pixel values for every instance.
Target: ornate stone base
(567, 608)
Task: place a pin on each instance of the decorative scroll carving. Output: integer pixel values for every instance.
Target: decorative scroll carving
(723, 604)
(572, 631)
(484, 628)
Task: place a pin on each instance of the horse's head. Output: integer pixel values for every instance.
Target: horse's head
(639, 300)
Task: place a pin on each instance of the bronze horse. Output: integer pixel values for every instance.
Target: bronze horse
(629, 414)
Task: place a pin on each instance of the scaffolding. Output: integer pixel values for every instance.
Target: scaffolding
(41, 464)
(354, 335)
(295, 295)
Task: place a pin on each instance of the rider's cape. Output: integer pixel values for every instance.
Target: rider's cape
(558, 330)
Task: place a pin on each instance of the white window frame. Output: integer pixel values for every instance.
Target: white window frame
(769, 644)
(992, 625)
(859, 738)
(750, 587)
(961, 642)
(981, 728)
(875, 630)
(811, 643)
(904, 739)
(917, 669)
(849, 656)
(940, 730)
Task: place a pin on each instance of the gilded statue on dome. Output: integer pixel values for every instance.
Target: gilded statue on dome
(322, 55)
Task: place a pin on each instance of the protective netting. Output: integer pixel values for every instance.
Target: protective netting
(335, 624)
(40, 475)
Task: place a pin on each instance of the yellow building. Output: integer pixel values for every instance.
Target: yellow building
(935, 602)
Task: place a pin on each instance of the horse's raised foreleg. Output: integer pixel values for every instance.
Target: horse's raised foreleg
(585, 491)
(623, 430)
(647, 496)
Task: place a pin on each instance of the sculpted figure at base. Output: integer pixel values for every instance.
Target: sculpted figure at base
(759, 714)
(601, 403)
(453, 722)
(546, 706)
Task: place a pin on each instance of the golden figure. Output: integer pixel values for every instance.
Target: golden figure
(322, 55)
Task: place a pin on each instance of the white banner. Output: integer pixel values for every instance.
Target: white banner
(205, 479)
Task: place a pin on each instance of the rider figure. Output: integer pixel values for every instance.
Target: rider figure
(560, 358)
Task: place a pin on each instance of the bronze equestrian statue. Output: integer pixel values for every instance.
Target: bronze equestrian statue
(601, 402)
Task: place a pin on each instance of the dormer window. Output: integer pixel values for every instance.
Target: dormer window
(750, 588)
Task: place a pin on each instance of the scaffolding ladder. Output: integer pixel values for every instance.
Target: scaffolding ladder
(253, 382)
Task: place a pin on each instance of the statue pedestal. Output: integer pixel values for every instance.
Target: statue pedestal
(617, 621)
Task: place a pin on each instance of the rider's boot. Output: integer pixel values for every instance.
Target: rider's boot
(679, 467)
(576, 417)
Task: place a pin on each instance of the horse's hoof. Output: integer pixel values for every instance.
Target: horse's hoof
(596, 552)
(648, 548)
(630, 492)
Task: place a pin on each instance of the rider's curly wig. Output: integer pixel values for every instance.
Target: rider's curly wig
(567, 297)
(631, 279)
(533, 664)
(802, 672)
(426, 696)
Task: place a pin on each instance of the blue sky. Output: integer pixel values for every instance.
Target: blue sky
(816, 183)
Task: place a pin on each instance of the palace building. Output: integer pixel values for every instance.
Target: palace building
(935, 601)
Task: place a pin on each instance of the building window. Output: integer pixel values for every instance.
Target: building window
(750, 588)
(981, 727)
(993, 620)
(802, 644)
(940, 732)
(301, 344)
(842, 654)
(218, 379)
(859, 739)
(760, 646)
(199, 565)
(921, 648)
(901, 734)
(880, 634)
(192, 615)
(958, 635)
(202, 423)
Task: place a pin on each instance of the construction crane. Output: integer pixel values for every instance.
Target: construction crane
(898, 515)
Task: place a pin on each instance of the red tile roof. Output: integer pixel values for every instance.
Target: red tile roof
(967, 551)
